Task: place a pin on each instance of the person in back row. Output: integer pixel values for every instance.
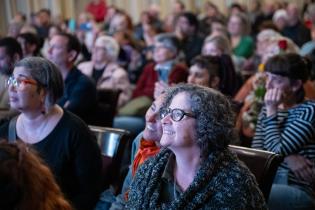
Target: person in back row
(79, 94)
(62, 139)
(104, 69)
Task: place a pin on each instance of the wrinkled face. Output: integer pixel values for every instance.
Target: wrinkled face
(153, 128)
(57, 52)
(198, 76)
(6, 63)
(211, 48)
(23, 91)
(161, 53)
(235, 26)
(179, 134)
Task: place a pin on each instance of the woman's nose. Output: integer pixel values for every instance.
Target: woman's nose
(166, 119)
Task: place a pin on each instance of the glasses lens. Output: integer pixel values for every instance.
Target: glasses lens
(177, 114)
(163, 113)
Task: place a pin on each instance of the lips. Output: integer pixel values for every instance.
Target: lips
(167, 132)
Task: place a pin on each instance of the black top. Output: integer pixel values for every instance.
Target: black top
(80, 91)
(298, 33)
(73, 155)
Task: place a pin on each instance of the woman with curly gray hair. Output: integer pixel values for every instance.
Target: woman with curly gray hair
(195, 170)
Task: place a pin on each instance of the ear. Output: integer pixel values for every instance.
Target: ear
(72, 55)
(296, 84)
(214, 82)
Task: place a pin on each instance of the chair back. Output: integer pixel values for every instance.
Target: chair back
(107, 100)
(262, 164)
(113, 142)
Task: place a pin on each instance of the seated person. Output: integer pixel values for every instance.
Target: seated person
(286, 126)
(24, 177)
(79, 94)
(215, 72)
(156, 76)
(30, 44)
(61, 138)
(144, 146)
(195, 170)
(104, 69)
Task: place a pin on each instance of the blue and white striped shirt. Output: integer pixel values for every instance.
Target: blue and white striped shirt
(288, 132)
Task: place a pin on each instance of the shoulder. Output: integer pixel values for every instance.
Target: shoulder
(86, 67)
(305, 111)
(73, 123)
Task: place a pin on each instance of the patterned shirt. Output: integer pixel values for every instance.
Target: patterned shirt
(288, 132)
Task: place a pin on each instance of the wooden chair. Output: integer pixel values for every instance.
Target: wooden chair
(113, 143)
(262, 164)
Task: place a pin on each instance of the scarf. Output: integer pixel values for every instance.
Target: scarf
(147, 149)
(220, 183)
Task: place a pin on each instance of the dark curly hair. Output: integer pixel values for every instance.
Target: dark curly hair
(214, 116)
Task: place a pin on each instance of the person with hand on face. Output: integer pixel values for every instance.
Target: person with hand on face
(286, 126)
(195, 169)
(144, 146)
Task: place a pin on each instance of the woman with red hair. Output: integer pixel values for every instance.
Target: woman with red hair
(26, 183)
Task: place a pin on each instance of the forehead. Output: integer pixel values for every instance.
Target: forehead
(181, 101)
(196, 68)
(58, 39)
(21, 71)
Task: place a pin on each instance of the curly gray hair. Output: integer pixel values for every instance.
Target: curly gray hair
(47, 75)
(215, 118)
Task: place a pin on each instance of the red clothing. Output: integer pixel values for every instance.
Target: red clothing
(98, 10)
(147, 149)
(145, 84)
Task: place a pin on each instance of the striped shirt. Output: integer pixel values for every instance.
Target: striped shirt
(288, 132)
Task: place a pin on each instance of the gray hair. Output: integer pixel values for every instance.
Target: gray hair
(214, 116)
(169, 41)
(47, 75)
(222, 42)
(110, 45)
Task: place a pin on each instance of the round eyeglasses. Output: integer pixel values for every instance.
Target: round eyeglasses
(16, 83)
(176, 114)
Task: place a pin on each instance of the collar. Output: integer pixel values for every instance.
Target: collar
(164, 66)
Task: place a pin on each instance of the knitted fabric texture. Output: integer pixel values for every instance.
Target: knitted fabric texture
(221, 182)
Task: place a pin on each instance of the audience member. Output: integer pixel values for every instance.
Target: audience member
(286, 126)
(30, 44)
(238, 28)
(79, 94)
(98, 9)
(105, 71)
(10, 53)
(62, 139)
(295, 28)
(186, 30)
(195, 169)
(26, 183)
(144, 146)
(216, 72)
(156, 76)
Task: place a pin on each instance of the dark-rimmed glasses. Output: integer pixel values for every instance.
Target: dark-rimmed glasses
(176, 114)
(16, 83)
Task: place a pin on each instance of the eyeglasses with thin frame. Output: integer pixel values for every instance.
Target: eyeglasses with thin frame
(176, 114)
(16, 83)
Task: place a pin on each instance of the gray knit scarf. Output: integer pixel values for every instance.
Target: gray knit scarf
(220, 183)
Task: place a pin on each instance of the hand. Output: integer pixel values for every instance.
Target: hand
(302, 167)
(273, 98)
(159, 88)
